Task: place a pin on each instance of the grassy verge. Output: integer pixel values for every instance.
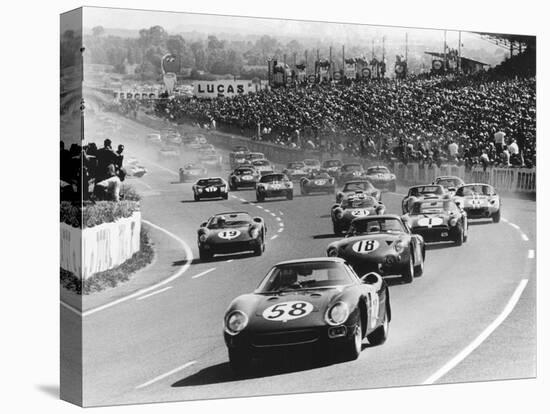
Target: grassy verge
(112, 277)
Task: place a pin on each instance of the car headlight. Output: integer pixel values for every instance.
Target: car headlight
(337, 314)
(453, 221)
(254, 232)
(223, 188)
(332, 252)
(202, 238)
(399, 246)
(235, 322)
(289, 185)
(199, 190)
(339, 214)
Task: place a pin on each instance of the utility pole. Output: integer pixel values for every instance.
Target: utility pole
(445, 51)
(459, 64)
(406, 47)
(305, 56)
(372, 57)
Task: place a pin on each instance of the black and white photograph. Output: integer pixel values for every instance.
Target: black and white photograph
(254, 206)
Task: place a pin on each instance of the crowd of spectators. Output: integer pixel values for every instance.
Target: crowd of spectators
(96, 173)
(471, 120)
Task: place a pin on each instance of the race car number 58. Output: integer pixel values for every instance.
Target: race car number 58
(285, 311)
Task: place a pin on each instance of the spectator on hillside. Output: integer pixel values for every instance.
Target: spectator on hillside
(105, 157)
(513, 148)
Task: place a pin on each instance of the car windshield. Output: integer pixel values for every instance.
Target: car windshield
(193, 167)
(309, 275)
(434, 207)
(449, 182)
(355, 202)
(244, 171)
(311, 162)
(351, 167)
(378, 170)
(295, 165)
(332, 163)
(255, 156)
(469, 190)
(210, 181)
(275, 178)
(223, 221)
(321, 176)
(240, 149)
(358, 186)
(261, 162)
(375, 225)
(427, 189)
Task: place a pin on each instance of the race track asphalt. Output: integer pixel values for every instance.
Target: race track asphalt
(169, 346)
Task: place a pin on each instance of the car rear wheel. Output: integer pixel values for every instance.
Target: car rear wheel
(380, 334)
(289, 195)
(239, 361)
(305, 191)
(496, 217)
(408, 271)
(352, 349)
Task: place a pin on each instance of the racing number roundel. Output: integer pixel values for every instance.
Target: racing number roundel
(365, 246)
(360, 212)
(286, 311)
(430, 221)
(229, 234)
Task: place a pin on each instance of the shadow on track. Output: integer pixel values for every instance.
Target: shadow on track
(440, 246)
(326, 236)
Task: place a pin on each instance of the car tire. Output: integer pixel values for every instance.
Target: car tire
(408, 271)
(260, 197)
(289, 195)
(459, 239)
(239, 361)
(196, 197)
(336, 229)
(259, 249)
(380, 334)
(232, 186)
(496, 217)
(393, 188)
(352, 348)
(419, 268)
(204, 255)
(225, 196)
(304, 191)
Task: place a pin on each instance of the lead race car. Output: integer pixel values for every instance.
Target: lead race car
(381, 177)
(438, 221)
(479, 201)
(231, 233)
(423, 192)
(319, 182)
(191, 172)
(214, 187)
(351, 207)
(384, 244)
(274, 185)
(317, 304)
(358, 187)
(244, 176)
(449, 182)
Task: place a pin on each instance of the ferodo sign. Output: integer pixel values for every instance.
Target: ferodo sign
(214, 89)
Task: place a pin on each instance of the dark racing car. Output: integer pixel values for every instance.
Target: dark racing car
(214, 187)
(231, 233)
(332, 167)
(449, 182)
(316, 305)
(381, 177)
(479, 201)
(263, 166)
(358, 187)
(383, 244)
(192, 172)
(244, 176)
(274, 185)
(423, 192)
(349, 172)
(319, 182)
(238, 156)
(351, 207)
(438, 220)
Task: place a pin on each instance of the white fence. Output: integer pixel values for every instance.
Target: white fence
(85, 252)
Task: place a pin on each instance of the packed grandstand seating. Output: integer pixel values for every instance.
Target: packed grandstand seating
(418, 119)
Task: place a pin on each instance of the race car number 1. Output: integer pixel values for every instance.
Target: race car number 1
(285, 311)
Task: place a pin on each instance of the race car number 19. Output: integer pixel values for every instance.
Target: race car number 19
(285, 311)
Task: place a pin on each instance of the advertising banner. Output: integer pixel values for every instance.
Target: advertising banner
(222, 88)
(349, 70)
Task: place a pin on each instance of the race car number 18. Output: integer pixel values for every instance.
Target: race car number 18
(285, 311)
(365, 246)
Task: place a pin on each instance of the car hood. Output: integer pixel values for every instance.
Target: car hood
(387, 239)
(229, 234)
(429, 220)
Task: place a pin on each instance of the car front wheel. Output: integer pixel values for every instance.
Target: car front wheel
(496, 217)
(239, 361)
(380, 334)
(408, 271)
(352, 348)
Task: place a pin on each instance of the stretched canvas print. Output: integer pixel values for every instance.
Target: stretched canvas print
(253, 206)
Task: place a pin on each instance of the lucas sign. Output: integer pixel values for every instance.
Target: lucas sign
(223, 88)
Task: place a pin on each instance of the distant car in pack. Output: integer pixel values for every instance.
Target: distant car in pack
(295, 170)
(358, 187)
(174, 138)
(450, 183)
(197, 142)
(351, 207)
(332, 167)
(207, 147)
(168, 153)
(479, 201)
(231, 232)
(134, 168)
(263, 166)
(317, 182)
(244, 176)
(383, 244)
(381, 177)
(238, 156)
(312, 165)
(153, 139)
(349, 172)
(252, 156)
(210, 158)
(192, 172)
(438, 220)
(274, 185)
(423, 192)
(214, 187)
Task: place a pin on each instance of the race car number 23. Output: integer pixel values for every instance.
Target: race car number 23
(285, 311)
